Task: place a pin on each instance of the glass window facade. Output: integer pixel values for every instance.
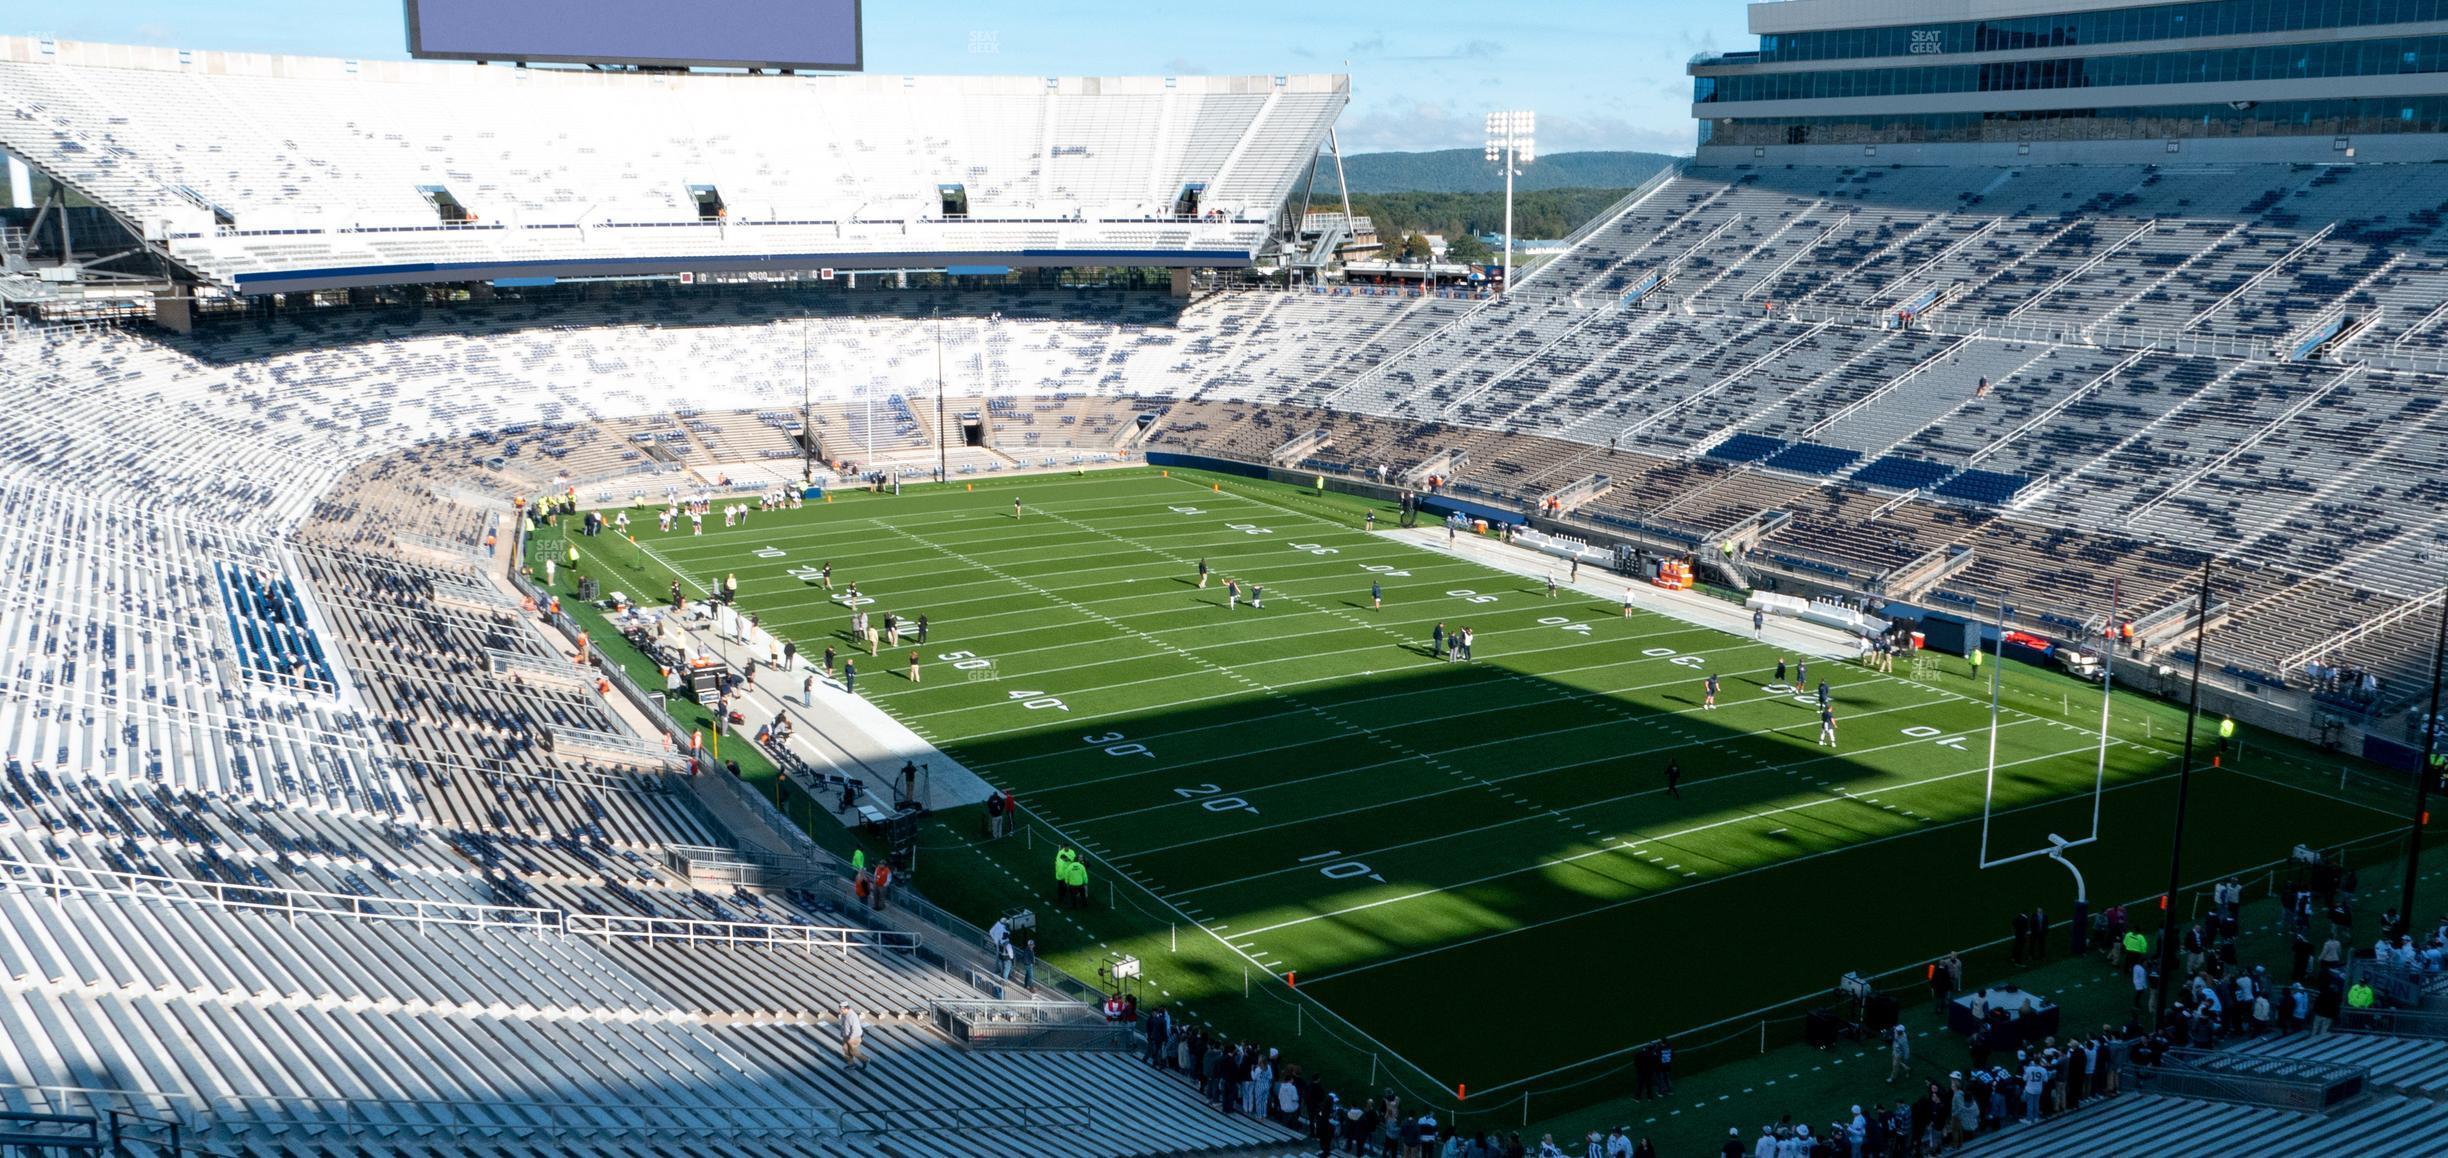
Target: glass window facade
(2124, 25)
(2388, 56)
(2166, 122)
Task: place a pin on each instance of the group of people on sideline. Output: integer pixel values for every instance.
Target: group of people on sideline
(2221, 996)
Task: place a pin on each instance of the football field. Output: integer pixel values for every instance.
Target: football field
(1482, 865)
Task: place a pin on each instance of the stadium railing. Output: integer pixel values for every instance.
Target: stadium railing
(168, 1120)
(1606, 218)
(1351, 1052)
(2296, 1084)
(34, 1133)
(1751, 1034)
(2424, 1023)
(58, 878)
(962, 953)
(555, 1117)
(696, 931)
(1051, 1025)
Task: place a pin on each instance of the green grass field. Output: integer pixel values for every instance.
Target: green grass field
(1477, 865)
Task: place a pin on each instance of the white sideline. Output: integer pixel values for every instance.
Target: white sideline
(1689, 606)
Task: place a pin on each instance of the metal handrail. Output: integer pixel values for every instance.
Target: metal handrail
(2302, 1085)
(2424, 1023)
(606, 927)
(513, 1117)
(560, 1117)
(291, 902)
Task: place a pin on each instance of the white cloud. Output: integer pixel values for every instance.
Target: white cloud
(1568, 133)
(1409, 126)
(1405, 126)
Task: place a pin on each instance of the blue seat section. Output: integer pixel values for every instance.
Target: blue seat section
(1746, 448)
(1984, 486)
(1898, 472)
(275, 643)
(1813, 458)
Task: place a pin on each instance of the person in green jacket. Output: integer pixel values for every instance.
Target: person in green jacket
(1078, 880)
(2360, 996)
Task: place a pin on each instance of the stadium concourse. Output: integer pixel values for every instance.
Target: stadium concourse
(264, 659)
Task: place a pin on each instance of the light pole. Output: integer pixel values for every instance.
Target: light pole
(2184, 792)
(807, 413)
(1509, 142)
(943, 452)
(2423, 775)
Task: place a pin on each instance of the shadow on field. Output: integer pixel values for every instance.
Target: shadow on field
(1446, 851)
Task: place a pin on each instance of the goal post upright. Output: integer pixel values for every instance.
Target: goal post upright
(2058, 844)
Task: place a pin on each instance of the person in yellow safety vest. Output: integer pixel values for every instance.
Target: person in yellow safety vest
(731, 588)
(2360, 996)
(2136, 945)
(1976, 660)
(1062, 875)
(2226, 732)
(573, 556)
(1079, 883)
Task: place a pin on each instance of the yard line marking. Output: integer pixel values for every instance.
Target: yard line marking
(1627, 901)
(1467, 832)
(1598, 694)
(1540, 771)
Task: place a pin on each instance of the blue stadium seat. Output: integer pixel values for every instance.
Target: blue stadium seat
(1814, 459)
(1898, 472)
(1746, 448)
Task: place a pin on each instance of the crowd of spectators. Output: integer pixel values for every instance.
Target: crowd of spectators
(2013, 1078)
(1244, 1078)
(2221, 996)
(2343, 682)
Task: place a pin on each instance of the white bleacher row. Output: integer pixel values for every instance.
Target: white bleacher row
(378, 1033)
(2183, 447)
(261, 420)
(317, 163)
(334, 390)
(120, 661)
(2405, 1113)
(2414, 1066)
(2185, 1128)
(315, 261)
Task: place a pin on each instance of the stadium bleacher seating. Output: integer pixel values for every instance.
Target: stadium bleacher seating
(546, 165)
(2406, 1077)
(253, 656)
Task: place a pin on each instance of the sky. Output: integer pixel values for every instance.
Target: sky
(1601, 74)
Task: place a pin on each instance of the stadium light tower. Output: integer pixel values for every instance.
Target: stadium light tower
(1509, 141)
(807, 413)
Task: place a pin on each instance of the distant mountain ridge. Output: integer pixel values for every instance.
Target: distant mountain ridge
(1467, 171)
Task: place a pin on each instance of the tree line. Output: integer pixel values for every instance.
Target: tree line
(1545, 215)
